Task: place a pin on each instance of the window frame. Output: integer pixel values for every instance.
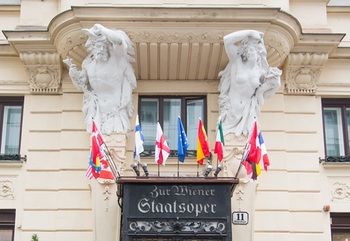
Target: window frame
(8, 219)
(342, 104)
(340, 223)
(184, 99)
(11, 101)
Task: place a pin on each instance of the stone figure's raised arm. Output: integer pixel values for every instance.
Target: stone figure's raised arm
(79, 78)
(233, 40)
(116, 37)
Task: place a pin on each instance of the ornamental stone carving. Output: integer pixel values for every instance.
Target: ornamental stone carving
(6, 190)
(340, 191)
(149, 227)
(107, 79)
(246, 81)
(44, 70)
(302, 71)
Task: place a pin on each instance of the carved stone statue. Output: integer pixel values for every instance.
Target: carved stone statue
(106, 78)
(246, 81)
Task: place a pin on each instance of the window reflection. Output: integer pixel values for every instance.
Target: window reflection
(148, 118)
(166, 110)
(333, 131)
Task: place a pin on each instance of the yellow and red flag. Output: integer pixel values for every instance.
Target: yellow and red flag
(202, 144)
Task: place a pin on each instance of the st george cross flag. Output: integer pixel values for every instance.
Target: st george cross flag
(182, 143)
(139, 139)
(256, 154)
(162, 150)
(219, 143)
(202, 144)
(99, 167)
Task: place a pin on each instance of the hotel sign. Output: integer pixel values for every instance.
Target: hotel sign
(186, 209)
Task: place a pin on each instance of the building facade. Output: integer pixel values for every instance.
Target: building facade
(305, 195)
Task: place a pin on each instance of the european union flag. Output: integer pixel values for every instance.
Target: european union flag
(182, 143)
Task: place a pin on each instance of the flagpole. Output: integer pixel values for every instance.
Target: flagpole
(111, 162)
(158, 171)
(178, 167)
(241, 162)
(197, 169)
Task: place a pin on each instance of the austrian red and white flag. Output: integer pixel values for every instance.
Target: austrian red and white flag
(162, 150)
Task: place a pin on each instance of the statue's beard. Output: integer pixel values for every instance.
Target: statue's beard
(101, 56)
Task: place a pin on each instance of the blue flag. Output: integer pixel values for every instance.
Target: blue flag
(182, 143)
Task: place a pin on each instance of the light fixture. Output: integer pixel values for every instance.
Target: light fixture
(218, 170)
(144, 168)
(135, 167)
(207, 170)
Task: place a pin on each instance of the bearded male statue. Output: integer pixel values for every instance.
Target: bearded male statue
(106, 79)
(246, 81)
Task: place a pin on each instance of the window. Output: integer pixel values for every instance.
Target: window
(7, 224)
(336, 120)
(340, 226)
(10, 123)
(166, 109)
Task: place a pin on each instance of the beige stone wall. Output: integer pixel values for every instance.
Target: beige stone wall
(57, 203)
(338, 21)
(9, 19)
(290, 191)
(55, 200)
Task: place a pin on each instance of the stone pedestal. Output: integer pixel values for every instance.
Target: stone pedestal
(243, 198)
(107, 212)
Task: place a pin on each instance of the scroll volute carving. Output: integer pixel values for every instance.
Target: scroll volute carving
(302, 71)
(44, 70)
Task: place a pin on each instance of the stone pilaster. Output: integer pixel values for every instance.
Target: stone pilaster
(107, 212)
(243, 198)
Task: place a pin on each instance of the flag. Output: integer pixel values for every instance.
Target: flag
(255, 154)
(162, 150)
(202, 144)
(139, 139)
(182, 143)
(89, 173)
(219, 143)
(264, 157)
(106, 172)
(99, 166)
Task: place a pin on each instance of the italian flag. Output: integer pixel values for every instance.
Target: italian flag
(219, 143)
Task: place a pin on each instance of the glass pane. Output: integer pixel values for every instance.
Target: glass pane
(348, 123)
(333, 132)
(6, 234)
(194, 110)
(11, 130)
(341, 236)
(171, 110)
(148, 118)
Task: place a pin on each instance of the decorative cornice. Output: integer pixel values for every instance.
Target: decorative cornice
(174, 32)
(302, 71)
(340, 53)
(44, 69)
(7, 51)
